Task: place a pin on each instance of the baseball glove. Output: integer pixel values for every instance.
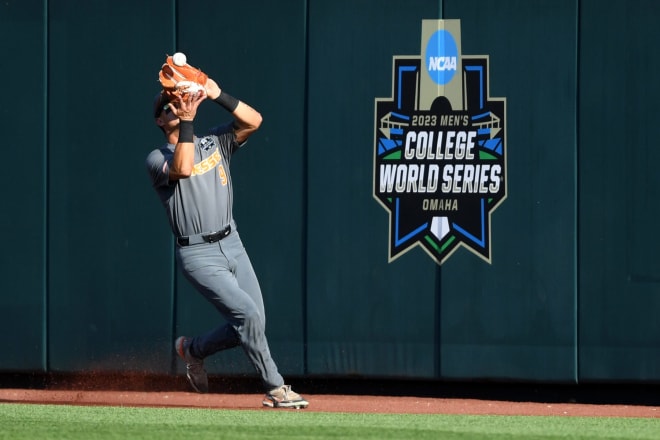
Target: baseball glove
(181, 80)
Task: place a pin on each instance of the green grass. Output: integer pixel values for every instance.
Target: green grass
(25, 421)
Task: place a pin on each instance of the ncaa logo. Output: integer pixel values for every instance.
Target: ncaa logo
(441, 57)
(440, 148)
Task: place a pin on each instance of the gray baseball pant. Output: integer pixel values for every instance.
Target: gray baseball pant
(223, 274)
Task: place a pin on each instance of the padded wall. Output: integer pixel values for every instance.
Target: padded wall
(88, 280)
(516, 318)
(23, 215)
(262, 62)
(366, 317)
(619, 192)
(109, 259)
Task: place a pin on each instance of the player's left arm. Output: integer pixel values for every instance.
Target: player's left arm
(246, 119)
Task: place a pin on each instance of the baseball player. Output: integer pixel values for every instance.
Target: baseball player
(191, 176)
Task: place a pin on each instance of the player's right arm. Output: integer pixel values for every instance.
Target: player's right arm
(182, 162)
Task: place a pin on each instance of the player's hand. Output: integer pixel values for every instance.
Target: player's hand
(212, 88)
(185, 106)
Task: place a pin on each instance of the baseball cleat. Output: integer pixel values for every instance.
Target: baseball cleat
(195, 371)
(284, 397)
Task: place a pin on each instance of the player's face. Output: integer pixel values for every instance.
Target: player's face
(165, 112)
(166, 119)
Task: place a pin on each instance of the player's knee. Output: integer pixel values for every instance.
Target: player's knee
(253, 319)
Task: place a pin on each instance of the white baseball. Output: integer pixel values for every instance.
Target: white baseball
(179, 59)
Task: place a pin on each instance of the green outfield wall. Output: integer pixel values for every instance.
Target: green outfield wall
(571, 294)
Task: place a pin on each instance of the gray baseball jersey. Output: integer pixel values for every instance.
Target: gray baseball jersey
(203, 202)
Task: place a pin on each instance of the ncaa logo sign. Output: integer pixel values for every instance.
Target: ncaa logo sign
(440, 156)
(441, 56)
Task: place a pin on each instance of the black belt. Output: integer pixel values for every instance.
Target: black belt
(211, 237)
